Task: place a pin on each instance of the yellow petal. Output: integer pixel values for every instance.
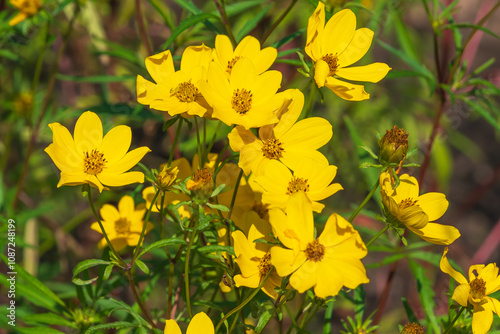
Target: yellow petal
(305, 277)
(242, 245)
(433, 204)
(116, 143)
(239, 137)
(200, 324)
(358, 47)
(88, 132)
(482, 318)
(295, 157)
(223, 50)
(352, 270)
(329, 281)
(109, 214)
(461, 294)
(311, 133)
(216, 90)
(338, 32)
(315, 26)
(160, 66)
(300, 218)
(407, 188)
(126, 206)
(171, 327)
(145, 90)
(448, 269)
(128, 161)
(437, 234)
(286, 261)
(489, 274)
(64, 159)
(413, 217)
(266, 85)
(242, 75)
(62, 137)
(252, 159)
(321, 72)
(264, 59)
(495, 304)
(193, 56)
(251, 281)
(293, 102)
(370, 73)
(117, 180)
(346, 90)
(249, 47)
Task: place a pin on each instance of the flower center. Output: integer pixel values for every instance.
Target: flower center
(202, 175)
(333, 63)
(231, 63)
(273, 149)
(242, 100)
(297, 184)
(315, 251)
(478, 288)
(122, 226)
(412, 328)
(265, 264)
(185, 92)
(406, 203)
(93, 162)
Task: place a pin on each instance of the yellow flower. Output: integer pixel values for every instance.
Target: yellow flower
(27, 8)
(249, 47)
(288, 141)
(200, 324)
(336, 46)
(123, 226)
(91, 159)
(247, 98)
(176, 92)
(326, 263)
(417, 212)
(483, 281)
(310, 178)
(254, 258)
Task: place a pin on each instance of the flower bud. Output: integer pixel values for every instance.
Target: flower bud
(201, 184)
(393, 146)
(167, 177)
(412, 328)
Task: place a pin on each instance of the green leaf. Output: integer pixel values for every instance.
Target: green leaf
(369, 150)
(115, 325)
(49, 318)
(170, 122)
(216, 249)
(86, 264)
(409, 312)
(481, 111)
(161, 243)
(241, 6)
(288, 38)
(472, 26)
(220, 207)
(96, 78)
(186, 24)
(263, 320)
(142, 266)
(37, 330)
(426, 294)
(252, 23)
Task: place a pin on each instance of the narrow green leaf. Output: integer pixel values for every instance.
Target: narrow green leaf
(242, 6)
(49, 318)
(37, 330)
(216, 249)
(142, 266)
(409, 312)
(426, 294)
(481, 111)
(404, 38)
(86, 264)
(471, 26)
(252, 23)
(115, 325)
(186, 24)
(484, 66)
(170, 122)
(288, 38)
(220, 207)
(263, 320)
(96, 78)
(161, 243)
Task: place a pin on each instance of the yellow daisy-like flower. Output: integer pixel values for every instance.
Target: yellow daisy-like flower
(200, 324)
(310, 178)
(249, 47)
(176, 92)
(91, 159)
(27, 8)
(335, 46)
(246, 98)
(327, 263)
(254, 258)
(123, 226)
(483, 281)
(288, 141)
(416, 211)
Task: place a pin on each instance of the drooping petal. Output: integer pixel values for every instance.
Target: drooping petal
(321, 72)
(251, 281)
(413, 217)
(369, 73)
(495, 304)
(315, 26)
(338, 32)
(461, 294)
(116, 180)
(88, 132)
(437, 234)
(200, 323)
(433, 204)
(116, 143)
(448, 269)
(171, 327)
(358, 47)
(346, 90)
(482, 318)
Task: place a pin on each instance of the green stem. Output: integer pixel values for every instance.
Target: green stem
(235, 192)
(241, 305)
(162, 206)
(138, 299)
(278, 21)
(198, 142)
(186, 264)
(309, 316)
(367, 198)
(450, 326)
(146, 220)
(170, 288)
(377, 235)
(225, 20)
(174, 144)
(212, 141)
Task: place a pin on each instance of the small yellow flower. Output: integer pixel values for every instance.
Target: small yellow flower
(327, 263)
(483, 281)
(200, 324)
(288, 141)
(417, 212)
(247, 98)
(412, 328)
(27, 8)
(176, 92)
(123, 226)
(249, 47)
(310, 178)
(335, 46)
(91, 159)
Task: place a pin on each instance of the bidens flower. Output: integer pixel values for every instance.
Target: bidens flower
(326, 263)
(405, 206)
(200, 324)
(27, 8)
(123, 226)
(336, 46)
(91, 159)
(483, 281)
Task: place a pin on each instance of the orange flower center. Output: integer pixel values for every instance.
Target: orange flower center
(477, 288)
(122, 226)
(93, 162)
(406, 203)
(297, 184)
(273, 149)
(200, 179)
(333, 63)
(412, 328)
(242, 101)
(315, 251)
(265, 264)
(231, 63)
(185, 92)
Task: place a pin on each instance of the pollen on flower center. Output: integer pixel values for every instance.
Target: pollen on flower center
(265, 264)
(478, 288)
(406, 203)
(185, 92)
(202, 175)
(332, 62)
(93, 162)
(242, 101)
(412, 328)
(315, 251)
(273, 149)
(122, 226)
(297, 184)
(231, 63)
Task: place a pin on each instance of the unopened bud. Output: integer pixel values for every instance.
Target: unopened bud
(167, 177)
(393, 146)
(201, 184)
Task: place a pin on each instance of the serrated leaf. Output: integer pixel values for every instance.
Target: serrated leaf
(161, 243)
(142, 266)
(186, 24)
(252, 23)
